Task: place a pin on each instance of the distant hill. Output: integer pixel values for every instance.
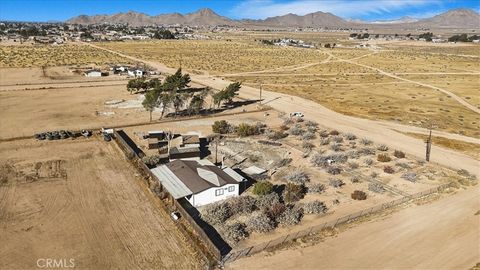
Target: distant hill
(456, 18)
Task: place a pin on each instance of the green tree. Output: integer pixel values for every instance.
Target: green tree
(178, 101)
(221, 127)
(136, 85)
(262, 188)
(150, 102)
(165, 99)
(197, 102)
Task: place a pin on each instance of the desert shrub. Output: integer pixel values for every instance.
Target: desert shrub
(262, 188)
(334, 133)
(336, 146)
(291, 216)
(403, 165)
(282, 162)
(235, 232)
(359, 195)
(307, 145)
(388, 169)
(275, 210)
(355, 179)
(354, 154)
(298, 119)
(242, 204)
(293, 192)
(315, 188)
(337, 139)
(260, 222)
(375, 187)
(260, 128)
(338, 157)
(334, 170)
(276, 135)
(350, 136)
(296, 130)
(410, 176)
(368, 161)
(353, 165)
(311, 123)
(398, 154)
(382, 147)
(311, 129)
(287, 121)
(383, 158)
(374, 174)
(308, 135)
(318, 160)
(323, 134)
(266, 201)
(314, 207)
(297, 176)
(244, 130)
(366, 151)
(216, 213)
(467, 174)
(284, 127)
(221, 127)
(336, 183)
(324, 141)
(366, 141)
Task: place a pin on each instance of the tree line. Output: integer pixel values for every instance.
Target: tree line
(171, 94)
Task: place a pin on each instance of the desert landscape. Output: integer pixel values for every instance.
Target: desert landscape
(198, 141)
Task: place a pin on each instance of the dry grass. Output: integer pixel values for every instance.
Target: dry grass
(471, 149)
(63, 55)
(216, 56)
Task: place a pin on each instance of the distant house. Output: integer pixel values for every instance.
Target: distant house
(136, 72)
(93, 73)
(198, 181)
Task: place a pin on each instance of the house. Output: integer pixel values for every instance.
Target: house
(93, 73)
(136, 72)
(200, 182)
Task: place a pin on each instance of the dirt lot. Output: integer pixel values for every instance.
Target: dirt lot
(405, 240)
(81, 200)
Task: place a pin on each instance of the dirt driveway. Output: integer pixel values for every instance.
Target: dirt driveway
(81, 200)
(440, 235)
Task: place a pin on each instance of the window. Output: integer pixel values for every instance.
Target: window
(219, 192)
(231, 189)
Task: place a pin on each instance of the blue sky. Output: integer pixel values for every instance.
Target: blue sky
(59, 10)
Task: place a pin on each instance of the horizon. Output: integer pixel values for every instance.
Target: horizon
(367, 10)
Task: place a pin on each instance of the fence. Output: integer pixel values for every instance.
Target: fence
(130, 150)
(234, 255)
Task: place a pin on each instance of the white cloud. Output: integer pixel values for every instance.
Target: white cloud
(260, 9)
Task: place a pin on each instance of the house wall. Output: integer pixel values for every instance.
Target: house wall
(208, 196)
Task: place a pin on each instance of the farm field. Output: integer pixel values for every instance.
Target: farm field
(81, 200)
(45, 55)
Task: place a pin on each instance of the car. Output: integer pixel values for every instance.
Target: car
(107, 137)
(175, 216)
(296, 114)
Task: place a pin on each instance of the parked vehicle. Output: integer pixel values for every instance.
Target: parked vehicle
(296, 114)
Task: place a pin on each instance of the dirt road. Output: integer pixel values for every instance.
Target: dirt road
(86, 204)
(406, 240)
(375, 130)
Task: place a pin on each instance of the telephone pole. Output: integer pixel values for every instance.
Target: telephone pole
(429, 146)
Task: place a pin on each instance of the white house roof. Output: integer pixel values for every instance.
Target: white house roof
(171, 182)
(254, 170)
(234, 174)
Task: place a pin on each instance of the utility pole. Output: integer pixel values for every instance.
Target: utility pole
(429, 146)
(216, 150)
(260, 94)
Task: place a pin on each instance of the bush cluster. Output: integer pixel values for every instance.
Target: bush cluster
(216, 213)
(398, 154)
(221, 127)
(410, 176)
(276, 135)
(235, 232)
(297, 176)
(314, 207)
(293, 192)
(383, 158)
(359, 195)
(388, 169)
(316, 188)
(382, 147)
(334, 170)
(242, 204)
(375, 187)
(336, 183)
(350, 136)
(262, 188)
(260, 222)
(266, 201)
(291, 216)
(244, 130)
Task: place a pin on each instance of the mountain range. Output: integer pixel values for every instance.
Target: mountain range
(455, 18)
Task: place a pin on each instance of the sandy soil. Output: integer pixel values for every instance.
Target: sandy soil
(405, 240)
(85, 204)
